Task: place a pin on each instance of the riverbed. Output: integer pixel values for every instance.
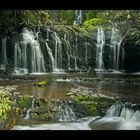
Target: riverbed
(118, 85)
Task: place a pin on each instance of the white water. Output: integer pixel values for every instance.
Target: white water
(99, 49)
(81, 124)
(3, 54)
(75, 54)
(115, 46)
(118, 117)
(64, 80)
(114, 123)
(71, 52)
(22, 59)
(68, 49)
(29, 110)
(65, 113)
(51, 56)
(119, 110)
(78, 17)
(58, 53)
(131, 117)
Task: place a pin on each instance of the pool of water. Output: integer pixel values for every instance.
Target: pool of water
(52, 90)
(122, 85)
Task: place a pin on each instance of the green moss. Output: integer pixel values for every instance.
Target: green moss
(24, 101)
(41, 83)
(95, 22)
(91, 108)
(45, 111)
(94, 105)
(44, 116)
(5, 106)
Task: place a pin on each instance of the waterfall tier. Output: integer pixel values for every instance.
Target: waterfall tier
(45, 49)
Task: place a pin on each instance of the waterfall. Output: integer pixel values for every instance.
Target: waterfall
(78, 17)
(99, 49)
(115, 46)
(3, 54)
(65, 112)
(75, 54)
(30, 109)
(22, 60)
(71, 52)
(58, 53)
(68, 49)
(126, 112)
(51, 56)
(37, 59)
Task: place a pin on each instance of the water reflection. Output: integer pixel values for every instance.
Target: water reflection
(53, 90)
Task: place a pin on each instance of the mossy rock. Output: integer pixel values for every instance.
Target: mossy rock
(91, 108)
(41, 83)
(94, 106)
(46, 110)
(24, 102)
(45, 116)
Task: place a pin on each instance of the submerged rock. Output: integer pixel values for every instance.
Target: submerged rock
(40, 84)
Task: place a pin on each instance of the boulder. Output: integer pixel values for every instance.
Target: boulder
(106, 123)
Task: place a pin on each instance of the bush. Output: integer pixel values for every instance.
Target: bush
(5, 106)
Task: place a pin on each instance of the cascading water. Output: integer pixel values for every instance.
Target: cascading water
(75, 55)
(30, 55)
(121, 110)
(3, 54)
(119, 117)
(51, 56)
(29, 110)
(78, 17)
(99, 49)
(115, 46)
(68, 50)
(65, 112)
(21, 58)
(71, 52)
(58, 53)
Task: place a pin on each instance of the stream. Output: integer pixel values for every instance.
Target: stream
(125, 86)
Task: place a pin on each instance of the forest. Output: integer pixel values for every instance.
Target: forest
(69, 69)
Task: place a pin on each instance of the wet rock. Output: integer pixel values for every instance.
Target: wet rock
(106, 123)
(70, 93)
(24, 103)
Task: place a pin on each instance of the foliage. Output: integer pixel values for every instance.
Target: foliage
(24, 102)
(95, 22)
(66, 16)
(5, 106)
(11, 20)
(93, 105)
(13, 116)
(127, 21)
(44, 116)
(45, 111)
(89, 14)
